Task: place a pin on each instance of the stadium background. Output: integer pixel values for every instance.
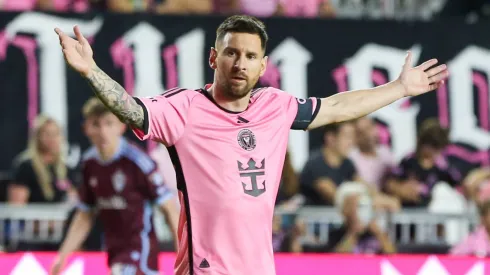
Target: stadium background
(150, 53)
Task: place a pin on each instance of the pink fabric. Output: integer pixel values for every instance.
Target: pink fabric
(372, 169)
(477, 243)
(259, 8)
(18, 5)
(302, 8)
(232, 164)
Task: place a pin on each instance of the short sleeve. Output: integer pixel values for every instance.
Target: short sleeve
(300, 112)
(86, 195)
(165, 116)
(22, 174)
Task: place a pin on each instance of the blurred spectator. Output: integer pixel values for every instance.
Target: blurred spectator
(360, 232)
(18, 5)
(475, 183)
(329, 167)
(478, 242)
(305, 8)
(40, 174)
(259, 8)
(122, 6)
(413, 180)
(183, 7)
(289, 184)
(372, 161)
(64, 5)
(287, 238)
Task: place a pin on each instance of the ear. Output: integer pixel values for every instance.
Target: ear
(213, 54)
(263, 65)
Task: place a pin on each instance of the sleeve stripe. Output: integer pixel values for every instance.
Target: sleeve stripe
(83, 207)
(317, 108)
(167, 95)
(146, 120)
(143, 161)
(164, 198)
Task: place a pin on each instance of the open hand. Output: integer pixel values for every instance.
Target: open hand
(78, 53)
(423, 78)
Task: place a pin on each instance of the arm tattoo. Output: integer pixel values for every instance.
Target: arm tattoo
(116, 98)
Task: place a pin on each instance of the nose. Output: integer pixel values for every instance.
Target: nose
(240, 63)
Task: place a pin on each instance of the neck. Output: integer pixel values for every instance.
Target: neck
(368, 150)
(331, 157)
(230, 104)
(426, 162)
(48, 158)
(108, 153)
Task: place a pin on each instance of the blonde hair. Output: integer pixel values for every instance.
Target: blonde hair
(94, 108)
(33, 154)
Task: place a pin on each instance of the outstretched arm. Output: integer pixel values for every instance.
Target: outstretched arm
(355, 104)
(115, 97)
(79, 55)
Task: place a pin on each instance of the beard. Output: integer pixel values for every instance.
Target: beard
(234, 91)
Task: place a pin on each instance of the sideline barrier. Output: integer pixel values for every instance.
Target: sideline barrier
(286, 264)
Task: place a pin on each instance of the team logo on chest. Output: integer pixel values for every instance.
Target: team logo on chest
(118, 181)
(246, 139)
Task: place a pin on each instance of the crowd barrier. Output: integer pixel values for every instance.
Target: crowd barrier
(286, 264)
(45, 223)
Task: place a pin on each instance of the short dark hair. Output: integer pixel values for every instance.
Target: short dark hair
(94, 108)
(243, 24)
(334, 128)
(431, 133)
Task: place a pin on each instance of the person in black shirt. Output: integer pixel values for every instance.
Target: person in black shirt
(412, 181)
(40, 174)
(329, 167)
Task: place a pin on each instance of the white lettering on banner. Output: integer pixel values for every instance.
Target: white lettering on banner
(191, 59)
(431, 266)
(28, 264)
(464, 123)
(360, 67)
(292, 59)
(146, 41)
(52, 67)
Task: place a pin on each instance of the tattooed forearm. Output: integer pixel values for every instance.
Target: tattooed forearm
(116, 98)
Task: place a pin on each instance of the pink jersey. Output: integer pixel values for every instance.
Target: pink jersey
(228, 168)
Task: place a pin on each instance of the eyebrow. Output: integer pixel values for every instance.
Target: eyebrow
(237, 50)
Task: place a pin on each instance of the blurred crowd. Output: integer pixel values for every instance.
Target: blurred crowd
(419, 9)
(359, 177)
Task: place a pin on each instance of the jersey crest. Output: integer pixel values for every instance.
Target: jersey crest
(246, 139)
(118, 181)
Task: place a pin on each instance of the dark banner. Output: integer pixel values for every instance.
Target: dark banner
(149, 54)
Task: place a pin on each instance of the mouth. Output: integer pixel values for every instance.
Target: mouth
(238, 78)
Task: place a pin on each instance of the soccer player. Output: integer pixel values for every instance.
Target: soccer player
(119, 181)
(228, 140)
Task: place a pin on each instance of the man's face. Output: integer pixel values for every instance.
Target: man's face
(104, 131)
(238, 62)
(366, 133)
(343, 140)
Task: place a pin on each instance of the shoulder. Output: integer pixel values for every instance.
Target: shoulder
(139, 158)
(89, 154)
(22, 163)
(179, 93)
(269, 93)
